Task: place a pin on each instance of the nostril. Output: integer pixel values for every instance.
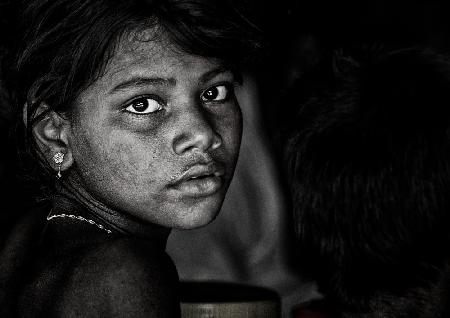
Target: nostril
(195, 132)
(201, 138)
(217, 141)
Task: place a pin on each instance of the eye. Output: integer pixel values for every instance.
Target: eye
(216, 93)
(144, 105)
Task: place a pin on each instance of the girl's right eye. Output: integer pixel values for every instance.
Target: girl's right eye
(143, 106)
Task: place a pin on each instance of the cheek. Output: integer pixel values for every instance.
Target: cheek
(229, 126)
(116, 158)
(122, 161)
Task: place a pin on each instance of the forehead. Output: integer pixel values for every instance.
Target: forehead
(153, 53)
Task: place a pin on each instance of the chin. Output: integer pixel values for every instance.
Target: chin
(198, 215)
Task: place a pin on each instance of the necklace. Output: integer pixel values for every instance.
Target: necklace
(80, 218)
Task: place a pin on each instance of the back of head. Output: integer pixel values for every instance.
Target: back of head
(369, 166)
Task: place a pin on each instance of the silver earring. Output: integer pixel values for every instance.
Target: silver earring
(58, 158)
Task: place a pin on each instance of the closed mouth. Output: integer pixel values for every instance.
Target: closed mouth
(200, 179)
(201, 171)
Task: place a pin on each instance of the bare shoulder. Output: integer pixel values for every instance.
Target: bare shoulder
(122, 277)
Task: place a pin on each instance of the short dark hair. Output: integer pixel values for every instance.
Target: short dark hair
(369, 167)
(66, 44)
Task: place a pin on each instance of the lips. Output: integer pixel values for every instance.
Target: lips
(200, 179)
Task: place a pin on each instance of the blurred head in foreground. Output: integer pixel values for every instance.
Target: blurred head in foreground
(369, 166)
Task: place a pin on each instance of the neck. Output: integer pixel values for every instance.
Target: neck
(75, 197)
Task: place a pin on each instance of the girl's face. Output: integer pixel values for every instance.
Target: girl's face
(158, 135)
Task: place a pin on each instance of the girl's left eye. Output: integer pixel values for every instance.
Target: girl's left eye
(144, 105)
(216, 93)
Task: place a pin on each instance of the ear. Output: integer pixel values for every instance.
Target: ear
(51, 134)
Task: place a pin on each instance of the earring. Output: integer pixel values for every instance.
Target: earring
(58, 158)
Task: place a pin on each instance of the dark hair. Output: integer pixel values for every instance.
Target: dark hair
(66, 44)
(369, 167)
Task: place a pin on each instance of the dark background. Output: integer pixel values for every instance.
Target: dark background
(302, 34)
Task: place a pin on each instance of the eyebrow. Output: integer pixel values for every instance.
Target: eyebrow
(213, 73)
(140, 81)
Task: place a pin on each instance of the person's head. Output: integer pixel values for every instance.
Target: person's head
(139, 97)
(369, 167)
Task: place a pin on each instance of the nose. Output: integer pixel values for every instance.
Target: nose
(195, 133)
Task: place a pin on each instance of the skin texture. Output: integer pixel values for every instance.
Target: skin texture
(130, 161)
